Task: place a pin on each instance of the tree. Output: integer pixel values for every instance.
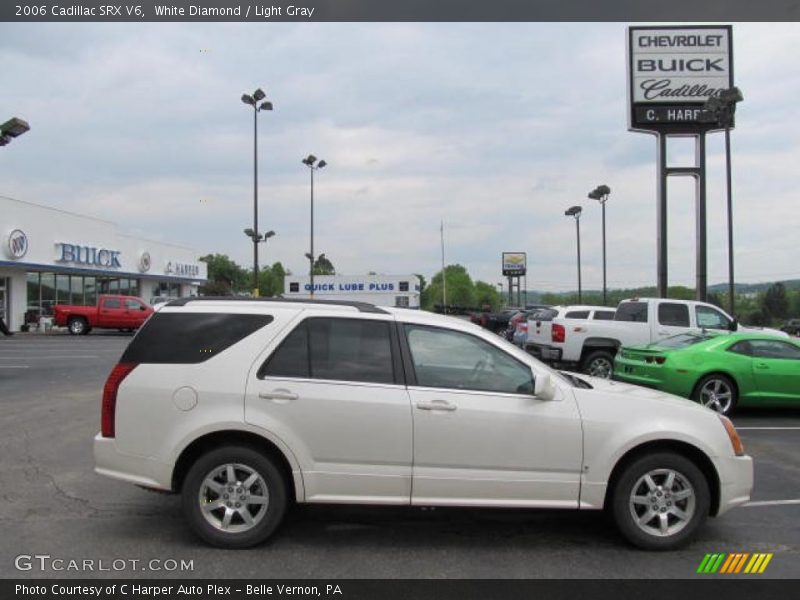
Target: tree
(422, 284)
(775, 302)
(224, 275)
(486, 293)
(460, 290)
(323, 266)
(270, 280)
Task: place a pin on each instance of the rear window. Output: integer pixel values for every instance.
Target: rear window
(577, 314)
(603, 315)
(189, 338)
(632, 312)
(546, 314)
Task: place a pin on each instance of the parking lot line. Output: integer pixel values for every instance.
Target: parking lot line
(14, 367)
(773, 502)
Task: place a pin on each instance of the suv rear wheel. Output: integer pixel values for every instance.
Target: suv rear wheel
(234, 497)
(660, 501)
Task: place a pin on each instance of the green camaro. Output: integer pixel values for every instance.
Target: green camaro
(716, 369)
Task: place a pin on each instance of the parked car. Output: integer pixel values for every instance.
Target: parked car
(245, 407)
(590, 345)
(540, 326)
(110, 312)
(718, 371)
(497, 322)
(792, 327)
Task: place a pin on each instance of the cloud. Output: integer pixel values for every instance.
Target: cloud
(493, 128)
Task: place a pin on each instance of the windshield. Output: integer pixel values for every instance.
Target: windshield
(683, 340)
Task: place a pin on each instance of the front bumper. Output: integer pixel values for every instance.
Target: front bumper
(736, 481)
(140, 470)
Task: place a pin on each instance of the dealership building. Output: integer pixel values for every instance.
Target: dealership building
(50, 256)
(381, 290)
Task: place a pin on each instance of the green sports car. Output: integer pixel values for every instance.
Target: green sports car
(718, 370)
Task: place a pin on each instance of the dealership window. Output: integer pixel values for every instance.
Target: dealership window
(294, 286)
(401, 301)
(90, 291)
(47, 289)
(167, 288)
(403, 286)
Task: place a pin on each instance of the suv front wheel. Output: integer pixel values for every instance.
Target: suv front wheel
(660, 501)
(234, 497)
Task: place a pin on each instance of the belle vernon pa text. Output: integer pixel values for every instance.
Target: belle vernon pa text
(171, 591)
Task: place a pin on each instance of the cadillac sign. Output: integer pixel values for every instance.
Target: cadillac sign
(673, 71)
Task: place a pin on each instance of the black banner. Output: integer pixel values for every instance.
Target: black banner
(399, 10)
(425, 589)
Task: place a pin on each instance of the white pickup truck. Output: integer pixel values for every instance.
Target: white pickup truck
(591, 345)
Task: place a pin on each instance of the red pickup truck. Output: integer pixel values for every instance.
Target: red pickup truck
(111, 312)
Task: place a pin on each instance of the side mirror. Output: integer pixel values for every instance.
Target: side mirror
(734, 324)
(142, 307)
(543, 387)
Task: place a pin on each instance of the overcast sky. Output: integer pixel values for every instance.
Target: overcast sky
(494, 128)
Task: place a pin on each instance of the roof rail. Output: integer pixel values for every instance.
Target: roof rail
(364, 307)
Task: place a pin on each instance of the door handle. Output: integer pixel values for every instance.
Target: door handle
(436, 405)
(279, 395)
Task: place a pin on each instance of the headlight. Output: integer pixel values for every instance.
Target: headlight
(736, 442)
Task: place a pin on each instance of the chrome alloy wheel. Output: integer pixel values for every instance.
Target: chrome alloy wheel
(662, 502)
(717, 395)
(601, 367)
(233, 498)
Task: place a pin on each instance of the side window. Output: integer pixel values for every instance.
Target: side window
(632, 312)
(603, 315)
(675, 315)
(577, 314)
(709, 318)
(741, 348)
(291, 357)
(111, 303)
(451, 359)
(774, 349)
(351, 350)
(131, 304)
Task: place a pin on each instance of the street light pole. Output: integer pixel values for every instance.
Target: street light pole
(600, 193)
(723, 107)
(575, 211)
(253, 100)
(309, 162)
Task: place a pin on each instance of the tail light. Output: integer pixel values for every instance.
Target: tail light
(109, 407)
(522, 327)
(558, 333)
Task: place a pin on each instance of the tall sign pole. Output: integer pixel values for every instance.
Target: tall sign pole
(672, 72)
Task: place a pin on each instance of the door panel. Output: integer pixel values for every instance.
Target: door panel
(480, 436)
(353, 440)
(495, 449)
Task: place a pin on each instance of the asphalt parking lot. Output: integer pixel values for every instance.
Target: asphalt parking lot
(54, 504)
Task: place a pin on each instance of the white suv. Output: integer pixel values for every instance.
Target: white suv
(246, 406)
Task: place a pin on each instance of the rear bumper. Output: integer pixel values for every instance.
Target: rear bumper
(544, 352)
(139, 470)
(736, 481)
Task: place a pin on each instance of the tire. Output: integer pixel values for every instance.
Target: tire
(77, 326)
(656, 497)
(599, 363)
(215, 469)
(717, 392)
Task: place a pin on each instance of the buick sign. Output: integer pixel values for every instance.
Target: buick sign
(673, 71)
(17, 244)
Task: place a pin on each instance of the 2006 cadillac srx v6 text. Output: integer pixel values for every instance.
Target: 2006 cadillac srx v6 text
(247, 406)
